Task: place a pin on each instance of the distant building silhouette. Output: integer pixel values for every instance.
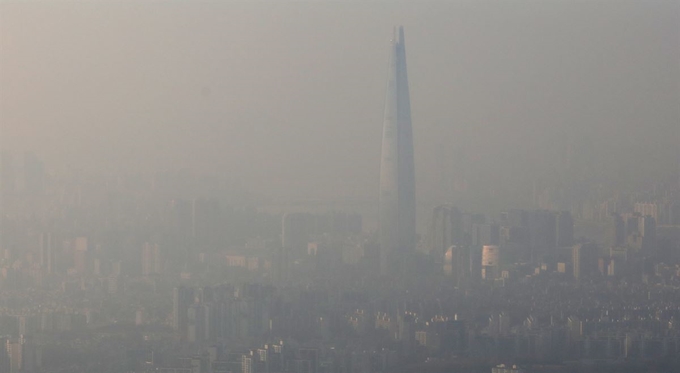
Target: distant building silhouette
(182, 299)
(206, 219)
(47, 256)
(7, 175)
(34, 174)
(397, 175)
(584, 260)
(446, 229)
(457, 264)
(565, 229)
(151, 259)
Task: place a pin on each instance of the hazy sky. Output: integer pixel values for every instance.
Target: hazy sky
(287, 96)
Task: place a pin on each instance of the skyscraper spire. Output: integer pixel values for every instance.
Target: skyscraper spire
(397, 175)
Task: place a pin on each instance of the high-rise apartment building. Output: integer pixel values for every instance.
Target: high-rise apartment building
(565, 229)
(151, 259)
(182, 299)
(647, 209)
(81, 254)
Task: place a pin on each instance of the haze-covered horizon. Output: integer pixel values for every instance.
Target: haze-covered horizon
(287, 98)
(340, 187)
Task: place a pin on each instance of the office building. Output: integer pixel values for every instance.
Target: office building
(485, 234)
(446, 229)
(457, 264)
(490, 262)
(584, 260)
(46, 253)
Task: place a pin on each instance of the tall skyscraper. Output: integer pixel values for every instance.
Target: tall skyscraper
(397, 176)
(182, 299)
(47, 256)
(81, 254)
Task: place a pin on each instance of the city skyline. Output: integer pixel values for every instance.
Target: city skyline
(204, 187)
(500, 93)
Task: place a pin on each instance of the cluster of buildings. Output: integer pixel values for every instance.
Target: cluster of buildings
(166, 276)
(280, 357)
(473, 248)
(209, 314)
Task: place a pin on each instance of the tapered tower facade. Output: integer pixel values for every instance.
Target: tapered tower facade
(397, 175)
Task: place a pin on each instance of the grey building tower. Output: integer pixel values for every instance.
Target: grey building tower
(397, 176)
